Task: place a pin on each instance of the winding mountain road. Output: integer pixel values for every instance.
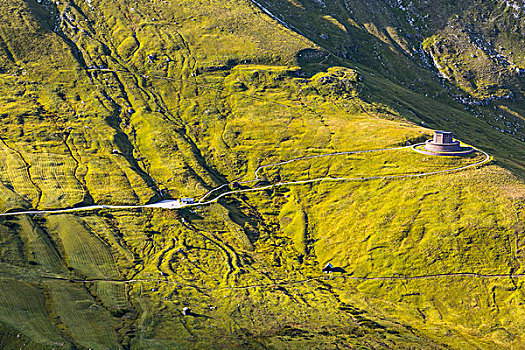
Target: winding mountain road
(256, 173)
(175, 204)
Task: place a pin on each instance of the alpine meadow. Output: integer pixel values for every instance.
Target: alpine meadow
(262, 174)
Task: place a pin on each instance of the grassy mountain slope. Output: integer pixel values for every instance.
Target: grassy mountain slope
(129, 102)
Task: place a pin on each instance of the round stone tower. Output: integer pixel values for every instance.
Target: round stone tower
(443, 144)
(443, 141)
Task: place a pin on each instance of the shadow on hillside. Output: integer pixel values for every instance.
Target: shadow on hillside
(376, 40)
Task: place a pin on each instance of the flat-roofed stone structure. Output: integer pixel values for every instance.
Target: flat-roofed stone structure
(443, 144)
(443, 141)
(443, 137)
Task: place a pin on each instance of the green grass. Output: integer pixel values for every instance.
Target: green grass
(15, 173)
(84, 250)
(229, 90)
(88, 322)
(22, 307)
(113, 295)
(384, 163)
(55, 177)
(40, 248)
(436, 229)
(293, 223)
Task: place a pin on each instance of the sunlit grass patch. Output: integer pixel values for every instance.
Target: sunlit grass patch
(84, 250)
(55, 177)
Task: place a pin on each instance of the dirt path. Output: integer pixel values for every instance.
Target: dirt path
(335, 179)
(173, 205)
(275, 284)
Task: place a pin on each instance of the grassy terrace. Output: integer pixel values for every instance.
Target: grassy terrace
(118, 102)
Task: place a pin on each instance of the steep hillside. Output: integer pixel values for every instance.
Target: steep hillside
(113, 102)
(456, 65)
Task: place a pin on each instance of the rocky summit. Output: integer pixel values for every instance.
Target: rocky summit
(256, 174)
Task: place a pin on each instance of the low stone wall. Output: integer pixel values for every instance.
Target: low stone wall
(442, 147)
(463, 151)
